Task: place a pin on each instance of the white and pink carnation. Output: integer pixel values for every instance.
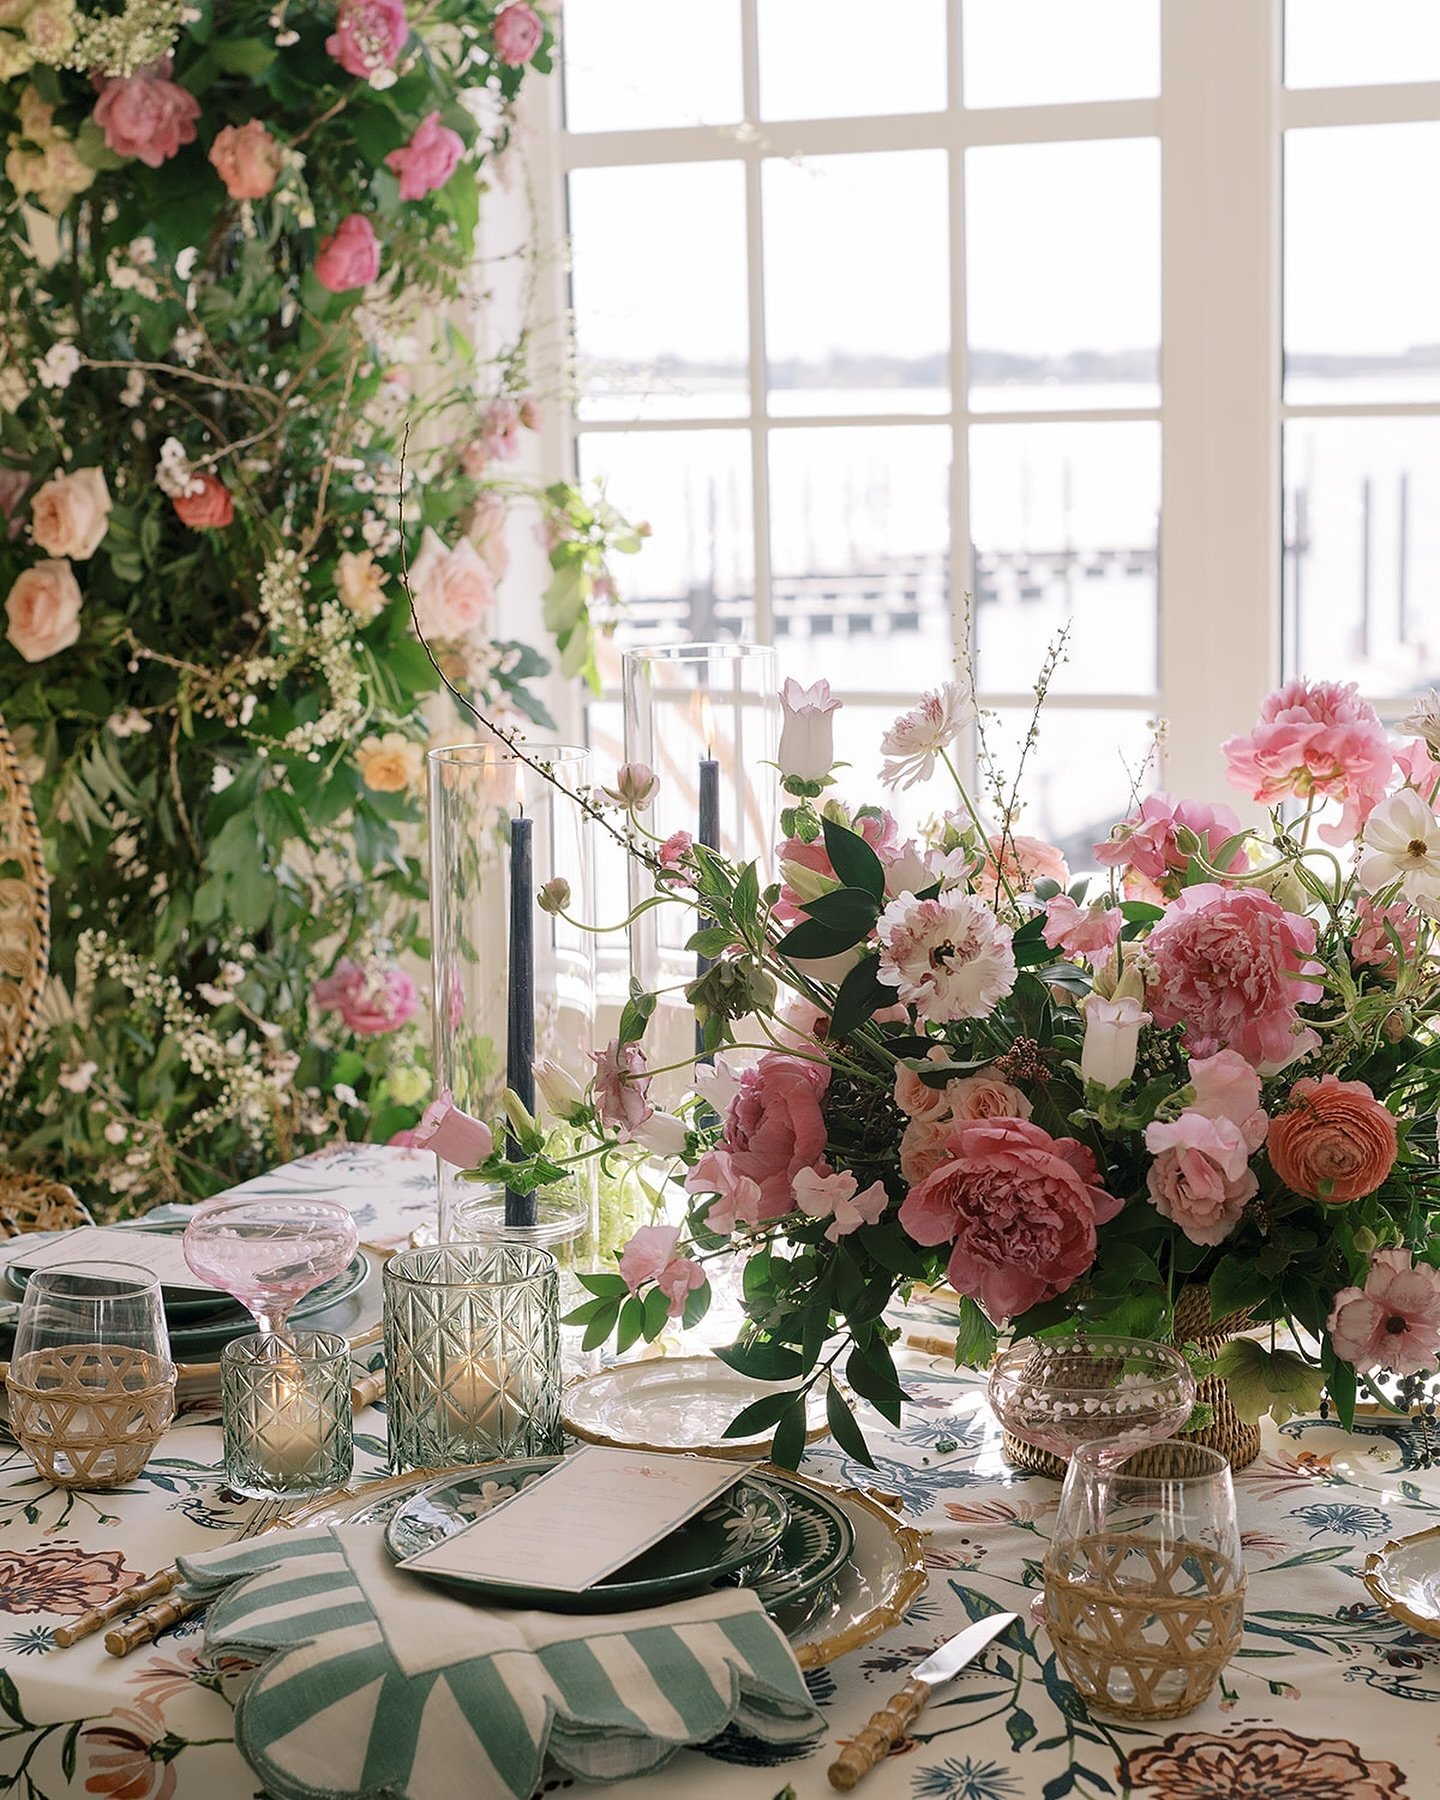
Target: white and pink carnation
(919, 737)
(949, 957)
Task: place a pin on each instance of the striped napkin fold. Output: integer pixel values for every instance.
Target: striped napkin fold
(376, 1682)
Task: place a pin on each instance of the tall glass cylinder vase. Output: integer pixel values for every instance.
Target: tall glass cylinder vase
(706, 718)
(512, 981)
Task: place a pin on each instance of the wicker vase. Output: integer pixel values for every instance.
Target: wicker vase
(1228, 1433)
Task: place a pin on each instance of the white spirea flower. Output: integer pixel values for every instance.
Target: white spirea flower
(918, 737)
(56, 368)
(1401, 842)
(14, 389)
(949, 957)
(133, 391)
(173, 474)
(128, 723)
(185, 262)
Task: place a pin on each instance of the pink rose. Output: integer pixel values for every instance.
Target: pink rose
(1021, 1209)
(146, 114)
(43, 608)
(1201, 1176)
(369, 36)
(916, 1098)
(208, 507)
(1226, 1087)
(349, 257)
(1316, 739)
(453, 589)
(1393, 1322)
(1091, 931)
(985, 1096)
(247, 159)
(775, 1128)
(428, 160)
(650, 1256)
(70, 515)
(13, 486)
(1147, 848)
(925, 1146)
(485, 529)
(1231, 966)
(622, 1087)
(369, 1001)
(453, 1135)
(519, 33)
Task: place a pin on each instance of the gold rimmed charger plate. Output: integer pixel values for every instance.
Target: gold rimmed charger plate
(1404, 1577)
(882, 1579)
(674, 1403)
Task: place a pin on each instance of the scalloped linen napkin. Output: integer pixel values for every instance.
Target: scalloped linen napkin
(375, 1682)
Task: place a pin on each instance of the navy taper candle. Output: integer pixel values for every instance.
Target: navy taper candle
(520, 1046)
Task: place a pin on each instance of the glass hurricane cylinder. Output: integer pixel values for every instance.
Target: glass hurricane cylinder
(472, 1353)
(511, 982)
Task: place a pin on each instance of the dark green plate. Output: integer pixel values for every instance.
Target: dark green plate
(738, 1528)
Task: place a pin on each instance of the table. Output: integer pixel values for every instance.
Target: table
(1326, 1700)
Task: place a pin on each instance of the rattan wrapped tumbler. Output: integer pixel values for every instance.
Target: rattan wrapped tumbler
(90, 1415)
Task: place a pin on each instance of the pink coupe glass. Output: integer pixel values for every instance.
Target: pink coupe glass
(268, 1253)
(1093, 1388)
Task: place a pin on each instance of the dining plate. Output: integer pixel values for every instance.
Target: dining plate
(1404, 1577)
(744, 1524)
(880, 1580)
(812, 1550)
(674, 1403)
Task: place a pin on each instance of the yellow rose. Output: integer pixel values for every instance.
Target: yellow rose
(16, 56)
(50, 30)
(70, 515)
(389, 764)
(361, 584)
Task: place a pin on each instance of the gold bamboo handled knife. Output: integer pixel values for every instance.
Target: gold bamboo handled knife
(887, 1727)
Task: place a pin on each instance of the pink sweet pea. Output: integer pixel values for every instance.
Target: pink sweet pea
(429, 160)
(146, 115)
(453, 1135)
(738, 1200)
(369, 36)
(1316, 739)
(1091, 931)
(1146, 846)
(650, 1256)
(519, 33)
(835, 1196)
(622, 1087)
(349, 257)
(1393, 1322)
(369, 1001)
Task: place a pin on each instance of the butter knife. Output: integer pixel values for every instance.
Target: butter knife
(887, 1727)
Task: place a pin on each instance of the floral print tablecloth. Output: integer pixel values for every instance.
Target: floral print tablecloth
(1329, 1699)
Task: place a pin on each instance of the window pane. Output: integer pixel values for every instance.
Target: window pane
(628, 68)
(1064, 522)
(1362, 272)
(848, 332)
(1362, 543)
(827, 59)
(1038, 52)
(694, 577)
(859, 527)
(1078, 780)
(1064, 308)
(659, 291)
(1337, 43)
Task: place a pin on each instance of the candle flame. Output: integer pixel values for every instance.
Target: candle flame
(704, 720)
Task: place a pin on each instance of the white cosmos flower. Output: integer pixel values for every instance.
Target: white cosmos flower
(917, 737)
(1402, 843)
(949, 957)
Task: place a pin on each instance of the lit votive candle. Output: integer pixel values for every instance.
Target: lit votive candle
(285, 1406)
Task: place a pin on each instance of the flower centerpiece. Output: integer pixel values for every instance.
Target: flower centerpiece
(1212, 1066)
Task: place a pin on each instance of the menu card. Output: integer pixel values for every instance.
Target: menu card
(582, 1520)
(158, 1251)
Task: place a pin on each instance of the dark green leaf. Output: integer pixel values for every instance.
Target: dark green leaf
(860, 996)
(657, 1313)
(759, 1415)
(601, 1326)
(603, 1283)
(871, 1372)
(853, 860)
(844, 1428)
(789, 1444)
(697, 1304)
(631, 1324)
(975, 1336)
(850, 911)
(761, 1360)
(810, 940)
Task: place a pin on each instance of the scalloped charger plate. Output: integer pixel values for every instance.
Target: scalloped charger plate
(1404, 1577)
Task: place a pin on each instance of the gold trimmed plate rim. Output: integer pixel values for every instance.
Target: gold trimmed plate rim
(730, 1449)
(1373, 1576)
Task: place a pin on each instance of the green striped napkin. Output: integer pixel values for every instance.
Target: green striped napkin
(374, 1682)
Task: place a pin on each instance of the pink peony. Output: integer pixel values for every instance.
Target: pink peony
(519, 32)
(622, 1087)
(949, 957)
(43, 608)
(1146, 845)
(1020, 1208)
(1231, 966)
(247, 159)
(147, 115)
(1201, 1176)
(1091, 931)
(650, 1256)
(1023, 862)
(1371, 945)
(369, 1001)
(775, 1128)
(349, 257)
(453, 1135)
(369, 36)
(1315, 739)
(429, 160)
(1393, 1322)
(835, 1197)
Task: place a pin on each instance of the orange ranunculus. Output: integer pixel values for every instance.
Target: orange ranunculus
(1334, 1141)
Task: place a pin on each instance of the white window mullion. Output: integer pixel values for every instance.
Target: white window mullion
(755, 299)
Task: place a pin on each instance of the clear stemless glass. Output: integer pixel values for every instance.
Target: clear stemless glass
(91, 1385)
(1144, 1585)
(1058, 1394)
(269, 1253)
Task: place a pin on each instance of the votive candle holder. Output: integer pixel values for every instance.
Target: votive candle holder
(285, 1407)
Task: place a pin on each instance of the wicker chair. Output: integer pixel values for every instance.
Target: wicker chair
(28, 1202)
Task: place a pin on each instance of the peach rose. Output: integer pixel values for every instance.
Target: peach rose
(985, 1096)
(1334, 1141)
(390, 764)
(71, 514)
(44, 610)
(209, 507)
(361, 583)
(247, 160)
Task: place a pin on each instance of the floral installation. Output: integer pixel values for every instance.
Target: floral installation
(239, 254)
(943, 1058)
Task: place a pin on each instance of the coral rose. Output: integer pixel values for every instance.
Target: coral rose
(147, 115)
(70, 515)
(1334, 1141)
(208, 506)
(519, 33)
(1020, 1208)
(390, 764)
(43, 608)
(349, 257)
(774, 1128)
(247, 159)
(428, 160)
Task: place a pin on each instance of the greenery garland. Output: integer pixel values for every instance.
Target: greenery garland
(237, 250)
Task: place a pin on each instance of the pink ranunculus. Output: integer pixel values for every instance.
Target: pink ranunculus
(1146, 845)
(43, 609)
(1227, 1087)
(146, 114)
(519, 32)
(1231, 966)
(1020, 1208)
(349, 257)
(369, 36)
(622, 1087)
(1316, 738)
(1023, 861)
(247, 159)
(775, 1127)
(836, 1197)
(453, 1135)
(1371, 945)
(1091, 931)
(429, 160)
(1201, 1177)
(1393, 1322)
(369, 1001)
